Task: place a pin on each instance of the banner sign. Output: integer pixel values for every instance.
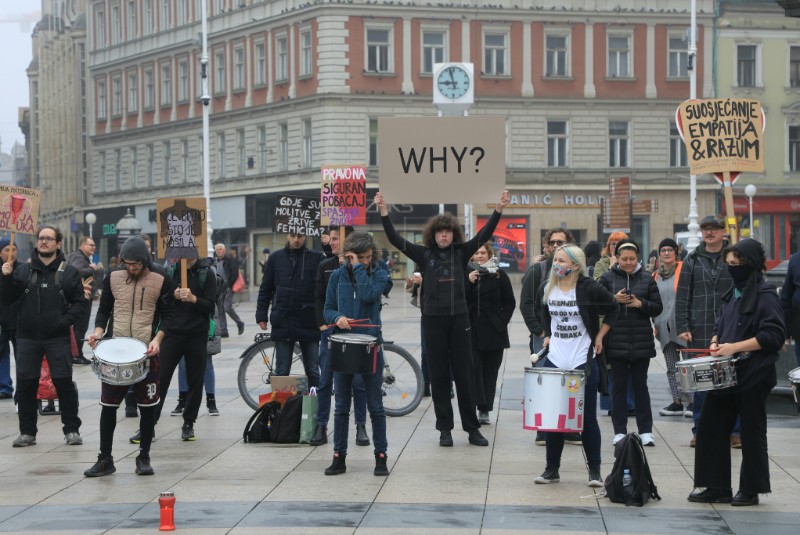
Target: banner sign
(181, 227)
(297, 215)
(343, 195)
(19, 209)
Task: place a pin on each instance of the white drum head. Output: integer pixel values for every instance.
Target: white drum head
(120, 350)
(353, 338)
(794, 375)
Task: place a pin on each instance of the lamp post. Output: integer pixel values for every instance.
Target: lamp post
(90, 219)
(750, 191)
(694, 228)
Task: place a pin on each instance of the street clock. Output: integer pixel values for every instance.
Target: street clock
(453, 87)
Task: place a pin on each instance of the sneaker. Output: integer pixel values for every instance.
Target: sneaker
(211, 404)
(24, 440)
(187, 432)
(540, 441)
(736, 442)
(73, 439)
(103, 467)
(136, 438)
(595, 479)
(483, 418)
(550, 475)
(689, 412)
(617, 438)
(446, 439)
(573, 438)
(81, 361)
(143, 467)
(477, 439)
(177, 411)
(673, 409)
(647, 439)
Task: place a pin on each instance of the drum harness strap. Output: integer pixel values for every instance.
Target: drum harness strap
(33, 276)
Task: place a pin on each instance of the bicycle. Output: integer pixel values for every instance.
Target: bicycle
(402, 376)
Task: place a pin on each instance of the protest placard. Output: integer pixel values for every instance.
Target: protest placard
(19, 209)
(343, 195)
(434, 160)
(181, 227)
(297, 215)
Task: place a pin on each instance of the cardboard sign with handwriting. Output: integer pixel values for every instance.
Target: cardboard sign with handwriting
(19, 209)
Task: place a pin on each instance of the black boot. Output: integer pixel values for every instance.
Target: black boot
(320, 436)
(426, 392)
(362, 438)
(130, 405)
(338, 465)
(380, 465)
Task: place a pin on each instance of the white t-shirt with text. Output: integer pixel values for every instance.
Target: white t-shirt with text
(569, 341)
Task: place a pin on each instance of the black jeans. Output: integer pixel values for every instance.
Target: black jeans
(82, 325)
(192, 348)
(487, 366)
(637, 369)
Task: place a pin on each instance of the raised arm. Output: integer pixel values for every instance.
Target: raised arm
(411, 250)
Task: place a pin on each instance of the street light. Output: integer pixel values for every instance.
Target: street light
(91, 219)
(750, 191)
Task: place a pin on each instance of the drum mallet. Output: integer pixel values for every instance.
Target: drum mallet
(166, 502)
(536, 356)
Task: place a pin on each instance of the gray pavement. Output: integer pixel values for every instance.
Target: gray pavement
(225, 486)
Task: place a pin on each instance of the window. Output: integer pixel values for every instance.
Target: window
(373, 142)
(183, 12)
(433, 49)
(556, 55)
(101, 100)
(556, 143)
(100, 29)
(283, 142)
(262, 149)
(131, 19)
(619, 56)
(103, 167)
(185, 160)
(261, 64)
(378, 50)
(746, 65)
(166, 84)
(307, 155)
(794, 148)
(134, 165)
(167, 149)
(678, 57)
(306, 57)
(677, 148)
(164, 22)
(219, 78)
(149, 90)
(221, 155)
(494, 54)
(117, 169)
(794, 66)
(150, 163)
(116, 25)
(238, 69)
(283, 59)
(183, 81)
(148, 17)
(116, 96)
(241, 157)
(219, 7)
(618, 144)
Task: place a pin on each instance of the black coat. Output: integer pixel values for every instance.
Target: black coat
(491, 304)
(632, 335)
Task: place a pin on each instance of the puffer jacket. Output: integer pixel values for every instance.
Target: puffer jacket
(632, 335)
(355, 292)
(288, 286)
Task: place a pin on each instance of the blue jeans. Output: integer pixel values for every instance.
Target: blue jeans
(554, 442)
(208, 377)
(284, 352)
(326, 386)
(6, 384)
(342, 384)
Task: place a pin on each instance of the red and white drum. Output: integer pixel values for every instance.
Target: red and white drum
(553, 400)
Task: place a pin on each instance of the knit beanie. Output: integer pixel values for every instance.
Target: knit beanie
(668, 242)
(135, 249)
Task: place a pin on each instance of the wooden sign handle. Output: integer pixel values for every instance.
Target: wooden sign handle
(730, 215)
(11, 255)
(184, 283)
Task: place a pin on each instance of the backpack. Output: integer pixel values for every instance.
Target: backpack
(286, 425)
(259, 425)
(629, 455)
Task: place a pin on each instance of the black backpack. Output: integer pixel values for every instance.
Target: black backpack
(259, 426)
(286, 425)
(629, 455)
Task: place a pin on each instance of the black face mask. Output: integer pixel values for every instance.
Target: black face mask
(740, 275)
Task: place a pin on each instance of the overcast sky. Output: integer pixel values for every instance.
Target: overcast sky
(15, 42)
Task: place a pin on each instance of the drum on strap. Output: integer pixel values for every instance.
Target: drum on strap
(707, 373)
(353, 353)
(120, 361)
(553, 400)
(794, 378)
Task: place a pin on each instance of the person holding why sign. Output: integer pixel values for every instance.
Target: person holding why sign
(443, 257)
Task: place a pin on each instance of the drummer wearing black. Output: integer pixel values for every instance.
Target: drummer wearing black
(750, 322)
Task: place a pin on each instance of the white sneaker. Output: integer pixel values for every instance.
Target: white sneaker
(647, 439)
(617, 438)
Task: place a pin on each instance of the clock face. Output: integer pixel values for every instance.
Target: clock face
(453, 82)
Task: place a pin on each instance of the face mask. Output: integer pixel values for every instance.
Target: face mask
(740, 275)
(561, 270)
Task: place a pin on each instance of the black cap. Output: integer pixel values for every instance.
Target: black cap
(712, 221)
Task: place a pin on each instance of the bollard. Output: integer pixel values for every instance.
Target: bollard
(166, 501)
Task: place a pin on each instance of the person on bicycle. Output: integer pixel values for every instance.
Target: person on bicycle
(354, 293)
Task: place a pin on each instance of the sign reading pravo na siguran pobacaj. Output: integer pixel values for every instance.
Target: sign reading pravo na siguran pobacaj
(724, 134)
(19, 209)
(343, 195)
(432, 160)
(297, 215)
(181, 227)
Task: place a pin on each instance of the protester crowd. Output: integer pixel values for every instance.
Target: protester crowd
(615, 301)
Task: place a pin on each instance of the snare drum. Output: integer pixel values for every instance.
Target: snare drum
(794, 378)
(706, 373)
(353, 353)
(120, 361)
(553, 400)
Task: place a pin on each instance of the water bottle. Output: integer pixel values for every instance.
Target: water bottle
(627, 486)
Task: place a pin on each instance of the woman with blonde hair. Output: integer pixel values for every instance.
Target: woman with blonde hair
(572, 305)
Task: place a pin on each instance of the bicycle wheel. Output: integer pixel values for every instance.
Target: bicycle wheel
(402, 381)
(255, 370)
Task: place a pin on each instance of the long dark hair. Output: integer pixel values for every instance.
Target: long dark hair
(445, 221)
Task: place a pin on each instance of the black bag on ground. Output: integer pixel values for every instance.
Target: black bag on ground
(629, 455)
(258, 428)
(286, 426)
